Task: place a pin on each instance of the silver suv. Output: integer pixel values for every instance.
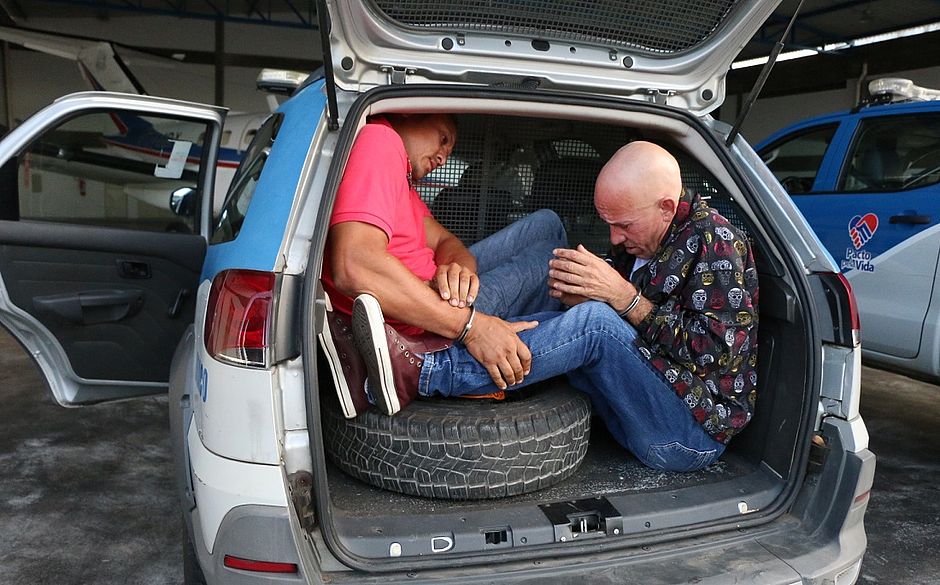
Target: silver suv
(122, 276)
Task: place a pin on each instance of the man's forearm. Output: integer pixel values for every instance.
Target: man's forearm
(451, 250)
(639, 312)
(403, 296)
(622, 299)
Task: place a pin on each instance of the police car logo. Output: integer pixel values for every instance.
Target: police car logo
(862, 228)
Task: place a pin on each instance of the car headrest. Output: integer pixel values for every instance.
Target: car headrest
(458, 208)
(565, 185)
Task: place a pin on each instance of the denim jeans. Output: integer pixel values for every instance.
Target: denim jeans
(513, 266)
(589, 343)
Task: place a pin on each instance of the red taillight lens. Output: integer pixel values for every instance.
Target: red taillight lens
(841, 307)
(238, 318)
(258, 566)
(853, 307)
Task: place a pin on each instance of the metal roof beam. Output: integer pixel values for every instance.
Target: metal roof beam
(13, 10)
(214, 7)
(835, 8)
(296, 12)
(764, 37)
(190, 9)
(253, 7)
(778, 20)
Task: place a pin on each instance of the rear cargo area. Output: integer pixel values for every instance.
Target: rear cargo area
(502, 168)
(606, 469)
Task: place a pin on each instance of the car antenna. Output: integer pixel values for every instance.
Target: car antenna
(332, 110)
(762, 78)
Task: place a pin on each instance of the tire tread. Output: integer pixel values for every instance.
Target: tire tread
(489, 450)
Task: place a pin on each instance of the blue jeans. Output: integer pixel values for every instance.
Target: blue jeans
(513, 266)
(589, 343)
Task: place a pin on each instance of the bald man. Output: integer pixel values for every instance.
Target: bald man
(688, 289)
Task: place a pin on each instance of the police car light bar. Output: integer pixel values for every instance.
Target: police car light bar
(899, 90)
(280, 80)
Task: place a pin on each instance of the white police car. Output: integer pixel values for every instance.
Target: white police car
(121, 279)
(868, 182)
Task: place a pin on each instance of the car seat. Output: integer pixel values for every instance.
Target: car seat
(472, 210)
(878, 166)
(565, 185)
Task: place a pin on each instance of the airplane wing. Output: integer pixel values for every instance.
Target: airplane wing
(102, 65)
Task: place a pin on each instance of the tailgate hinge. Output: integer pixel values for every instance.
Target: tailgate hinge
(395, 75)
(658, 96)
(301, 486)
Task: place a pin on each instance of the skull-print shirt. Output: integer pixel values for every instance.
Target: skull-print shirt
(702, 331)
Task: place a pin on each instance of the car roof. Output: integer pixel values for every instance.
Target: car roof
(865, 111)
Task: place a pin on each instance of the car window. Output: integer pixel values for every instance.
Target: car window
(240, 193)
(113, 169)
(574, 148)
(249, 136)
(893, 153)
(795, 160)
(444, 176)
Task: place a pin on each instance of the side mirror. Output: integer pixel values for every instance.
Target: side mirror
(183, 201)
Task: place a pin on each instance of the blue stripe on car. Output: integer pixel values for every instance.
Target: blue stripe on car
(261, 234)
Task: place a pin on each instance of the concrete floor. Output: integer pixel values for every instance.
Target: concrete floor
(86, 495)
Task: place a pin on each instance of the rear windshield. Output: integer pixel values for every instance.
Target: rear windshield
(657, 26)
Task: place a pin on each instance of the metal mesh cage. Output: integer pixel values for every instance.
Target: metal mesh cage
(658, 26)
(504, 168)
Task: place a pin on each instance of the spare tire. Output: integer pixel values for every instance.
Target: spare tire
(463, 449)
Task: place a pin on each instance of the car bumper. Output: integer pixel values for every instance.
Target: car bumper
(820, 541)
(253, 533)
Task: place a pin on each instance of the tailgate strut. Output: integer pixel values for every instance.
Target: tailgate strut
(332, 111)
(762, 78)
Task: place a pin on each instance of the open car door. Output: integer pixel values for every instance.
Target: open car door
(104, 207)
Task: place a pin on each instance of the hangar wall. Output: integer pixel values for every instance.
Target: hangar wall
(773, 113)
(37, 79)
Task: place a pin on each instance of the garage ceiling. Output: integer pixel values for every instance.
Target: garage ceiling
(823, 22)
(820, 22)
(289, 13)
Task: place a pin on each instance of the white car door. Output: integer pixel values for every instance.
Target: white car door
(104, 207)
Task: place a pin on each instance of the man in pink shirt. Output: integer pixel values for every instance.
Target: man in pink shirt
(384, 243)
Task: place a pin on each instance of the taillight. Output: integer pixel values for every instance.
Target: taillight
(853, 306)
(239, 316)
(842, 308)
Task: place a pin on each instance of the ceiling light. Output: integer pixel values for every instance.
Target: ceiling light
(842, 45)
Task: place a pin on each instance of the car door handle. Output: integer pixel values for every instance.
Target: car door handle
(133, 269)
(910, 219)
(91, 307)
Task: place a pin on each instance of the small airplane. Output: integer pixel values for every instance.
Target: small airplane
(104, 69)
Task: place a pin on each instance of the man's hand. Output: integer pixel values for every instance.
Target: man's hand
(579, 273)
(568, 300)
(456, 284)
(495, 344)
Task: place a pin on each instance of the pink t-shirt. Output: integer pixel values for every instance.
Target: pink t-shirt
(375, 190)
